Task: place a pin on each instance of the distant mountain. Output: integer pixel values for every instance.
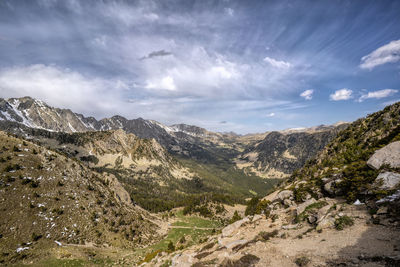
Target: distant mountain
(280, 153)
(185, 140)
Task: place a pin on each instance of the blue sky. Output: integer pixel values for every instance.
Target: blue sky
(243, 66)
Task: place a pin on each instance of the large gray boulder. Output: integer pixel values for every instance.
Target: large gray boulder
(387, 180)
(389, 154)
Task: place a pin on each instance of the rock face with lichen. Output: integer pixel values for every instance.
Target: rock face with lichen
(388, 155)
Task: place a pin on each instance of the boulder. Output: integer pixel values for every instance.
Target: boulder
(312, 219)
(328, 187)
(322, 212)
(230, 229)
(287, 202)
(387, 180)
(326, 222)
(285, 194)
(300, 208)
(389, 154)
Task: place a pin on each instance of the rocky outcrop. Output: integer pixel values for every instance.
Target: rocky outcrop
(388, 155)
(387, 180)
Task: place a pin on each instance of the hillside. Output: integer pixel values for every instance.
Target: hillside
(50, 200)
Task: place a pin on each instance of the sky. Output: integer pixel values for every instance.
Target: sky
(243, 66)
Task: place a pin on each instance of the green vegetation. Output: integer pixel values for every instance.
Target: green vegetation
(257, 206)
(302, 261)
(194, 230)
(343, 221)
(214, 184)
(267, 235)
(235, 217)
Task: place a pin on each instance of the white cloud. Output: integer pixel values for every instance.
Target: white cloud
(378, 94)
(166, 83)
(272, 114)
(63, 88)
(277, 63)
(342, 94)
(388, 53)
(307, 94)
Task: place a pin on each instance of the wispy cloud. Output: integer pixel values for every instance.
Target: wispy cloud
(388, 53)
(342, 94)
(378, 94)
(307, 94)
(160, 53)
(278, 63)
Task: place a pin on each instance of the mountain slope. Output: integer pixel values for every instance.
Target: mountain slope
(51, 200)
(341, 167)
(280, 153)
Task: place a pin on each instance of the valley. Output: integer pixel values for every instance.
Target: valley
(116, 192)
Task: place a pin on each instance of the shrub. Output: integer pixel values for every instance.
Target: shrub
(36, 237)
(267, 235)
(235, 217)
(257, 206)
(171, 246)
(342, 222)
(302, 261)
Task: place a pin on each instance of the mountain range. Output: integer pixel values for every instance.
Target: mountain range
(97, 191)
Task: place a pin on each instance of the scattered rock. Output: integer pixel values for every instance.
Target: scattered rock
(312, 219)
(287, 202)
(290, 226)
(387, 180)
(389, 154)
(382, 210)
